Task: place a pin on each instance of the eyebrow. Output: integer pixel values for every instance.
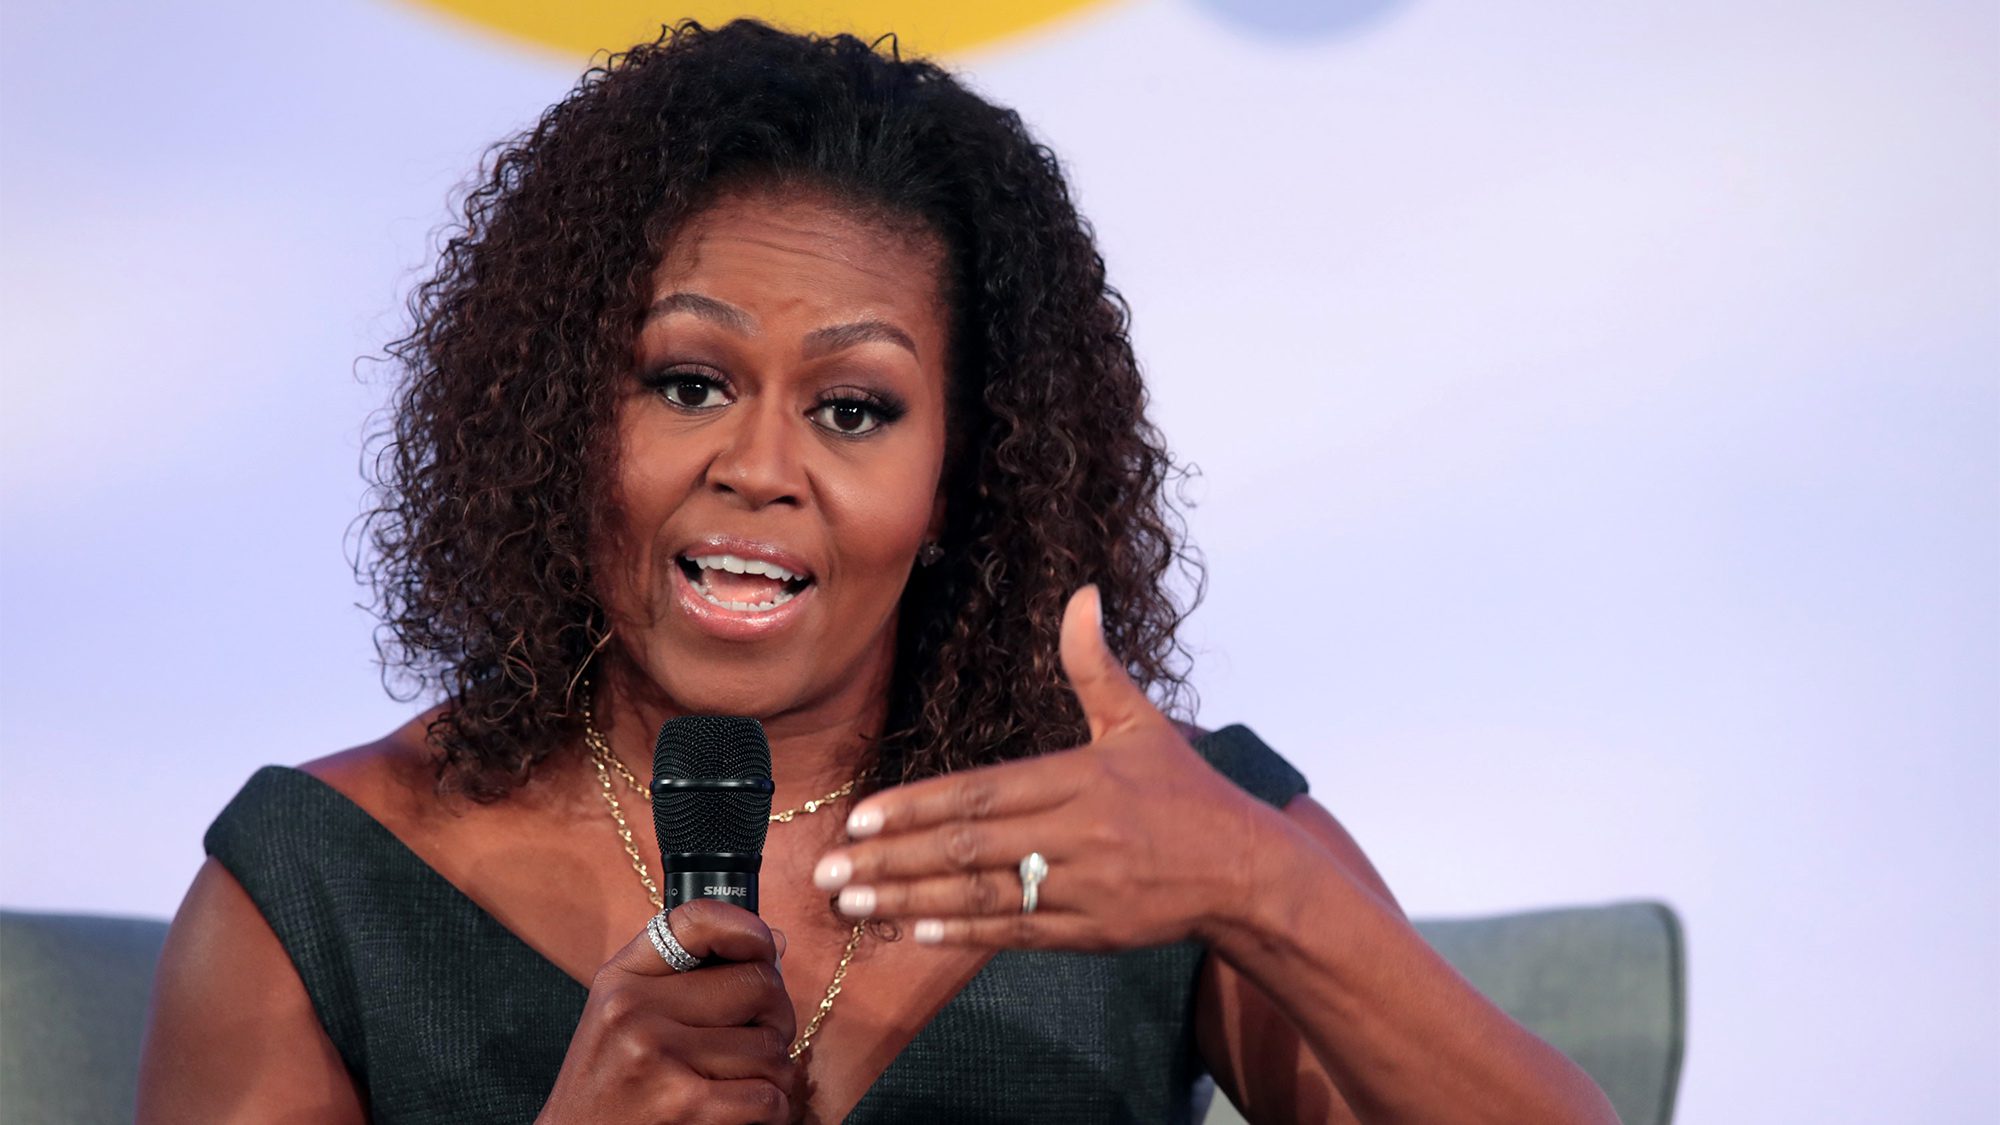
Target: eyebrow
(707, 308)
(820, 341)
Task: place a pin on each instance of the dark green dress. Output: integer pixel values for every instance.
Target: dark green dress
(442, 1015)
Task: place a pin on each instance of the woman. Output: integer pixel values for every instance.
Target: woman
(774, 377)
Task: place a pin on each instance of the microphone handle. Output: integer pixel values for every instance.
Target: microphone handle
(729, 877)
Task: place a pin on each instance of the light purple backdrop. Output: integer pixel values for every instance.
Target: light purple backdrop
(1597, 409)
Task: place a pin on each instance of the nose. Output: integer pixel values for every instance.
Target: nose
(760, 460)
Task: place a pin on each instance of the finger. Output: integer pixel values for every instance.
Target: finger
(741, 1101)
(1008, 789)
(1014, 931)
(725, 1053)
(1110, 700)
(708, 930)
(977, 894)
(961, 845)
(732, 995)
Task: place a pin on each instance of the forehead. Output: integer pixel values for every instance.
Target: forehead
(802, 253)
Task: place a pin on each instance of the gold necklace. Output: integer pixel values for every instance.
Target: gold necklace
(605, 761)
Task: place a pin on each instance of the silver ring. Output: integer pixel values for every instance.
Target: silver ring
(671, 951)
(1034, 869)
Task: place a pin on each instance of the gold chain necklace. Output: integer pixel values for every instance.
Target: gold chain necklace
(606, 762)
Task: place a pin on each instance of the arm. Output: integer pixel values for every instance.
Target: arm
(1320, 1000)
(232, 1035)
(1324, 1001)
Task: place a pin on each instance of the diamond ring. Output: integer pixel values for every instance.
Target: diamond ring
(670, 949)
(1034, 869)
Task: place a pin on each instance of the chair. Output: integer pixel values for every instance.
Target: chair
(1603, 984)
(73, 991)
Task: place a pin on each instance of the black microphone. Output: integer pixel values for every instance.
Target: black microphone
(712, 807)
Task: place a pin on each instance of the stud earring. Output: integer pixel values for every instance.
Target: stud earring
(929, 554)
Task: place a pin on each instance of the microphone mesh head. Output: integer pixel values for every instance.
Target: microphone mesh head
(711, 747)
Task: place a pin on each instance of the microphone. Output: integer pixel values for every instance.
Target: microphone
(711, 807)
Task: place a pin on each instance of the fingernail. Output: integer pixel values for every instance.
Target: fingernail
(864, 822)
(930, 931)
(857, 902)
(833, 873)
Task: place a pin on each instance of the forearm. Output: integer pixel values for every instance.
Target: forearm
(1401, 1035)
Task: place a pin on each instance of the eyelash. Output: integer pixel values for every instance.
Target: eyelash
(885, 408)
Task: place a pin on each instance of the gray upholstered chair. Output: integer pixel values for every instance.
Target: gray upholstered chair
(1603, 984)
(73, 990)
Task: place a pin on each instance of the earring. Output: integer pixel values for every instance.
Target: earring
(929, 554)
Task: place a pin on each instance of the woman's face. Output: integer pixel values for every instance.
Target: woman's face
(781, 442)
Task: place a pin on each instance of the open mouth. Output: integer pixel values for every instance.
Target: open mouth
(742, 585)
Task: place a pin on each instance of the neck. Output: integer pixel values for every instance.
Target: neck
(814, 749)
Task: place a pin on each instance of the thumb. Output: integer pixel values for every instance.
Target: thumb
(1111, 701)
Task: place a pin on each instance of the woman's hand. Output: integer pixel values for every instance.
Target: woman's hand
(708, 1045)
(1145, 843)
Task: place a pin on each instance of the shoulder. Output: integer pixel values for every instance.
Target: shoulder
(393, 779)
(225, 991)
(257, 922)
(277, 827)
(1237, 753)
(291, 834)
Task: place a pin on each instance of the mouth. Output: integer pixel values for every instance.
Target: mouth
(740, 583)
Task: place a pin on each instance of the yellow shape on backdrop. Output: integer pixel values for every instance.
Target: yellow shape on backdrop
(584, 27)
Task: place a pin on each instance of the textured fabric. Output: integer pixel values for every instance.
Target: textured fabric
(443, 1015)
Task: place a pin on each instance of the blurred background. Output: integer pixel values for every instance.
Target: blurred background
(1597, 410)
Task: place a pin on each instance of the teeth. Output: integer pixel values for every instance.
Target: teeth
(748, 607)
(735, 565)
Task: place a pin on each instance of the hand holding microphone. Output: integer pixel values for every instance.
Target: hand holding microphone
(710, 1042)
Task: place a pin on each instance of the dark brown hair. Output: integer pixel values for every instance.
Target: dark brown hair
(490, 477)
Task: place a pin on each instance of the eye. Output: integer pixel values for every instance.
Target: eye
(854, 416)
(689, 391)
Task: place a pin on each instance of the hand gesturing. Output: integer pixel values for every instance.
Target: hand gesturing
(1144, 842)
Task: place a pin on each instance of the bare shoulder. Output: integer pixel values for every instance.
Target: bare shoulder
(394, 778)
(231, 1034)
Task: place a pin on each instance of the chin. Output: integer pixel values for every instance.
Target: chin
(713, 693)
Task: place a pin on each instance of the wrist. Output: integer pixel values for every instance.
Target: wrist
(1255, 908)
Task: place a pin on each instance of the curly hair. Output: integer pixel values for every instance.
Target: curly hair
(491, 471)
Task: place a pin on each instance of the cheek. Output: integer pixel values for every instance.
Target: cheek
(648, 485)
(882, 520)
(880, 517)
